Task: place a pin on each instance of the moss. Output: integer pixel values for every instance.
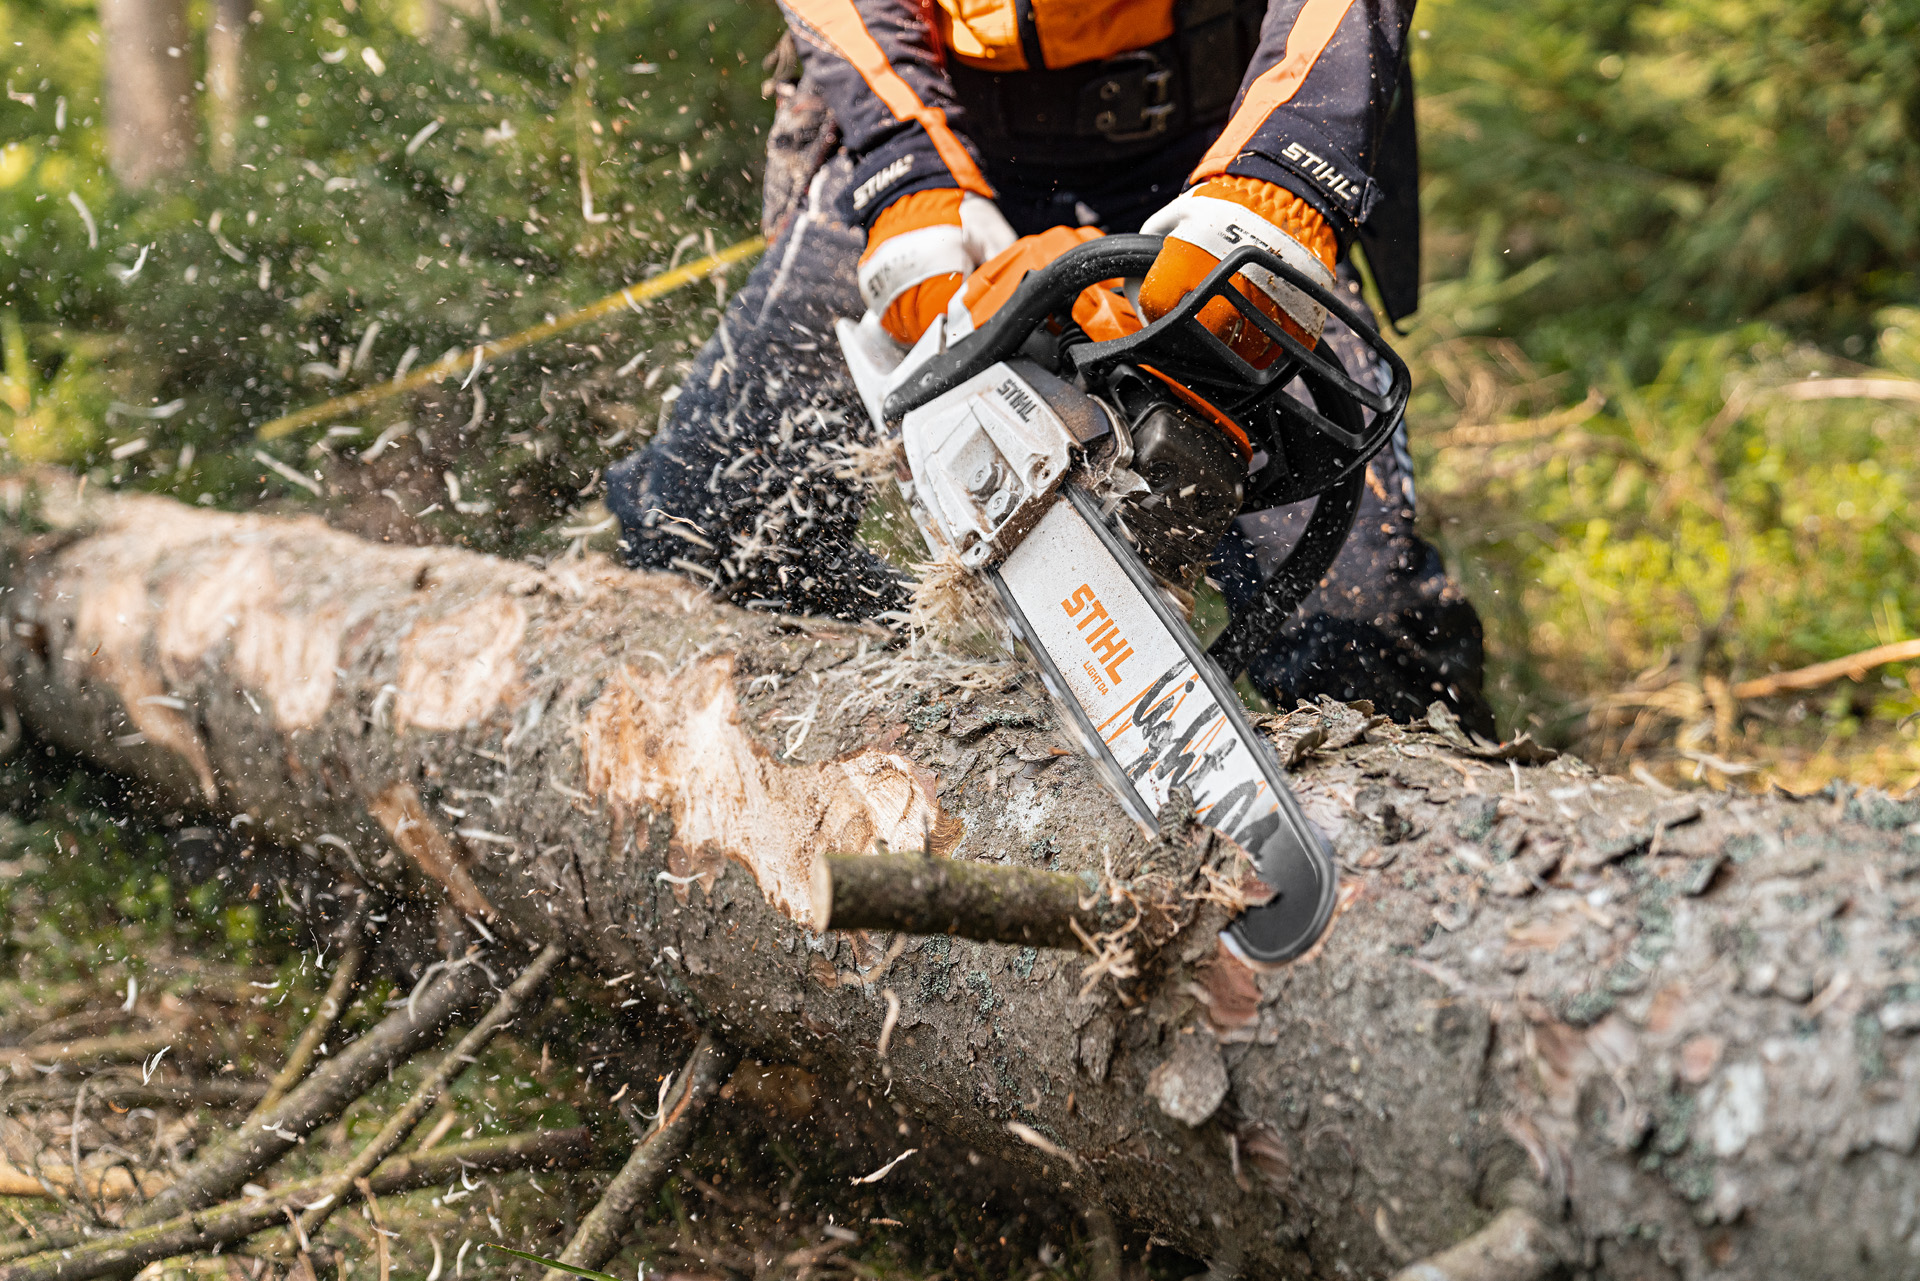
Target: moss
(1474, 818)
(1869, 1043)
(1692, 1178)
(1881, 812)
(980, 984)
(937, 962)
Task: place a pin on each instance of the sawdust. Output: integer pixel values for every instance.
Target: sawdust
(954, 609)
(875, 462)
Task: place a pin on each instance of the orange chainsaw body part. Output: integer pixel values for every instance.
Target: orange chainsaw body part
(994, 281)
(1102, 310)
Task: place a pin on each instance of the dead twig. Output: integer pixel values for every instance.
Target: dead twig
(220, 1171)
(1852, 667)
(135, 1094)
(125, 1253)
(332, 1005)
(1854, 389)
(124, 1047)
(653, 1158)
(116, 1183)
(381, 1257)
(1103, 1243)
(1514, 1247)
(402, 1123)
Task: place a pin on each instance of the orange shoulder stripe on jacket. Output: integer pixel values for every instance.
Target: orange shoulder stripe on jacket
(840, 23)
(1312, 33)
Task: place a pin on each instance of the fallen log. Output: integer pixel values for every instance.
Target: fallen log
(1685, 1023)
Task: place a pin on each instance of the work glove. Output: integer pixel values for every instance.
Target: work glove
(919, 251)
(1214, 219)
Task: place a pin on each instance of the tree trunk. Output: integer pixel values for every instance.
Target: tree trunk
(149, 89)
(1648, 1035)
(226, 78)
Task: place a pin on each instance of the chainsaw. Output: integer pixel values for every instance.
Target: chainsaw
(1088, 478)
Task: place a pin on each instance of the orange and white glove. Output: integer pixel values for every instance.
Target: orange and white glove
(920, 250)
(1222, 215)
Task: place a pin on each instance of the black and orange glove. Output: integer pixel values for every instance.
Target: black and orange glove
(1221, 215)
(920, 250)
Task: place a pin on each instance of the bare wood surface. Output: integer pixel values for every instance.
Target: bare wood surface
(652, 1159)
(114, 1183)
(124, 1253)
(1673, 1015)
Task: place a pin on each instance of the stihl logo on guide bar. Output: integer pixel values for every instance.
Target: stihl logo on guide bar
(1108, 645)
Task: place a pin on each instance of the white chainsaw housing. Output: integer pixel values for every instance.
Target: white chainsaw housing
(986, 458)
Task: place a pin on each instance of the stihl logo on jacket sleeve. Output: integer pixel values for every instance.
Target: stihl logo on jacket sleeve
(1323, 171)
(863, 194)
(1110, 648)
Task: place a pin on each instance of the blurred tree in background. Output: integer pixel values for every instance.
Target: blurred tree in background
(1652, 227)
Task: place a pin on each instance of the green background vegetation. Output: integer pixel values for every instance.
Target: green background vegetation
(1646, 224)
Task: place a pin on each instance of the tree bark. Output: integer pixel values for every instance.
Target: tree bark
(148, 76)
(1681, 1025)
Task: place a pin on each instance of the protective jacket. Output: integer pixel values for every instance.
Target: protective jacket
(1313, 95)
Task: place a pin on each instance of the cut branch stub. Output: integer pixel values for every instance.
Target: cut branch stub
(982, 901)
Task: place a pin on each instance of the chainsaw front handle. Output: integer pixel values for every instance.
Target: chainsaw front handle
(1177, 344)
(1050, 289)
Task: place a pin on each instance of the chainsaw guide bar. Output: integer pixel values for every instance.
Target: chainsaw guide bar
(1154, 713)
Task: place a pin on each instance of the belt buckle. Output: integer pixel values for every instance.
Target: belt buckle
(1152, 82)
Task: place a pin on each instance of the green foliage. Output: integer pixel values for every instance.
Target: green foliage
(1646, 223)
(1676, 165)
(397, 191)
(84, 886)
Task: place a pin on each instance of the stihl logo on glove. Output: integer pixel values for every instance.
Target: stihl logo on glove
(1105, 640)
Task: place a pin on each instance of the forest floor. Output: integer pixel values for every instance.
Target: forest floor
(127, 940)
